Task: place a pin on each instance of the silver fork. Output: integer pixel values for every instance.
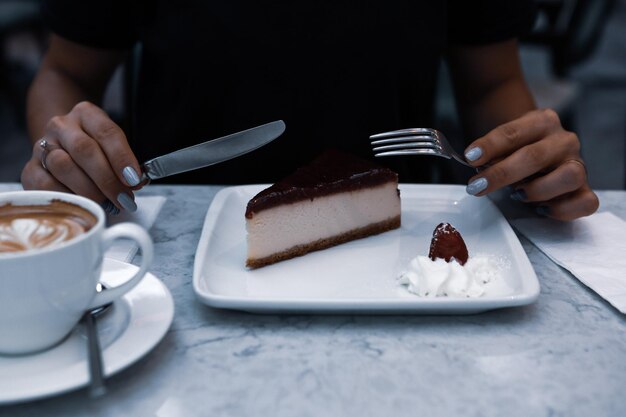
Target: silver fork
(417, 141)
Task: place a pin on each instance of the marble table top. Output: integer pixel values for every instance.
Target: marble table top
(564, 355)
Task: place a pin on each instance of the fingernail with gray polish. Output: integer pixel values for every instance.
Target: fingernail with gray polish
(476, 186)
(473, 154)
(110, 208)
(126, 202)
(543, 210)
(519, 195)
(131, 176)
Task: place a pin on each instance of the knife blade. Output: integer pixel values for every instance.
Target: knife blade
(213, 151)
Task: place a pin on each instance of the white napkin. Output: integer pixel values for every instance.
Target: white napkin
(148, 209)
(593, 249)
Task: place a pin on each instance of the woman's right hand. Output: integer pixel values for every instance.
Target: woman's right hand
(87, 154)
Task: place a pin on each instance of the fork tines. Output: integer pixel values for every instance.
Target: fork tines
(406, 141)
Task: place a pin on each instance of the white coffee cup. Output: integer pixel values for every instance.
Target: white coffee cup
(44, 292)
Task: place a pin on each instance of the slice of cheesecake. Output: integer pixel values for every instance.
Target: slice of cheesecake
(335, 199)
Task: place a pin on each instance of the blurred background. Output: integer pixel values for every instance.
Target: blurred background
(574, 60)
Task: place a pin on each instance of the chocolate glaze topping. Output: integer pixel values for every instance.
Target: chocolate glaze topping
(330, 173)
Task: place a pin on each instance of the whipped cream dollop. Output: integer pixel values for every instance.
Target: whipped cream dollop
(438, 278)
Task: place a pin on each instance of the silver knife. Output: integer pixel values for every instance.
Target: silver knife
(213, 151)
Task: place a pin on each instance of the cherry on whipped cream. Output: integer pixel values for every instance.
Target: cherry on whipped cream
(447, 244)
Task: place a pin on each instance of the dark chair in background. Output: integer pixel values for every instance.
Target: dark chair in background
(570, 30)
(17, 16)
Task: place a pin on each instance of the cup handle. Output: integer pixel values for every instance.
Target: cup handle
(139, 235)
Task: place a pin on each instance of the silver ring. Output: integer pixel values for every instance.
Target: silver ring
(46, 147)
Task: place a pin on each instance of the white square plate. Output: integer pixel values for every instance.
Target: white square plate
(359, 276)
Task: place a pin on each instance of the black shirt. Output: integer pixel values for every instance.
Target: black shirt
(334, 71)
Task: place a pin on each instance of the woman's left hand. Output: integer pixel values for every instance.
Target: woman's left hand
(540, 160)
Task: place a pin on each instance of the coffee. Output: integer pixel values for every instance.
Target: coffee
(26, 227)
(45, 292)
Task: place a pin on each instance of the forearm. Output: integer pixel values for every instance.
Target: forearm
(70, 73)
(53, 93)
(489, 86)
(506, 101)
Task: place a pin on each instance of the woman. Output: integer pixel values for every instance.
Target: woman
(336, 72)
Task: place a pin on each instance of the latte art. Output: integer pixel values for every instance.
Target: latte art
(25, 234)
(23, 228)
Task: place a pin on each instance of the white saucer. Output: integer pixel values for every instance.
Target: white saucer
(129, 330)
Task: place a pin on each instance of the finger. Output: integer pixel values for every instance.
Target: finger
(525, 162)
(85, 152)
(509, 137)
(112, 140)
(61, 165)
(580, 203)
(34, 177)
(567, 177)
